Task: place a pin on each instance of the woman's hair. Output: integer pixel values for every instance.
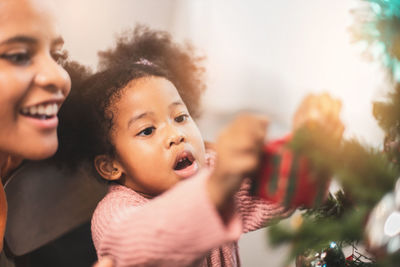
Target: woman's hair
(86, 118)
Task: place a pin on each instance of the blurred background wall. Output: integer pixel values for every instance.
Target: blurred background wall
(262, 55)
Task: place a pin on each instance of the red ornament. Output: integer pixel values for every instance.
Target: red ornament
(349, 258)
(286, 178)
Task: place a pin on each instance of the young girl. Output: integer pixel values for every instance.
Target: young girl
(170, 202)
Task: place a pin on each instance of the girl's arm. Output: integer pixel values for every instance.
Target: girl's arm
(255, 211)
(175, 229)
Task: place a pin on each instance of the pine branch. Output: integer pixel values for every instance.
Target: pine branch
(365, 174)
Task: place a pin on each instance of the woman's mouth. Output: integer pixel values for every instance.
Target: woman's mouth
(185, 164)
(41, 111)
(42, 116)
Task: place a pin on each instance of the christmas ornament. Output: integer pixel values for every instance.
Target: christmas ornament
(356, 259)
(330, 257)
(383, 226)
(286, 178)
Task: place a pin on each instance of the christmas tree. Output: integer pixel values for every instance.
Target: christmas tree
(367, 210)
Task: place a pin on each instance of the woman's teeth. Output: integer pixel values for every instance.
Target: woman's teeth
(42, 110)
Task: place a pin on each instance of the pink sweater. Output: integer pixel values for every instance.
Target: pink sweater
(178, 228)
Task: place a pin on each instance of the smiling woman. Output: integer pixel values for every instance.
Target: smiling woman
(33, 85)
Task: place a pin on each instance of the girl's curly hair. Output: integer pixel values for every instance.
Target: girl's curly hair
(86, 118)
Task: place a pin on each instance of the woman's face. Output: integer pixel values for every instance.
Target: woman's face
(32, 84)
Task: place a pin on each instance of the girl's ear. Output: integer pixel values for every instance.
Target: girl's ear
(106, 167)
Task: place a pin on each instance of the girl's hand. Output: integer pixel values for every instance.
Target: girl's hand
(322, 111)
(3, 214)
(238, 149)
(104, 262)
(209, 146)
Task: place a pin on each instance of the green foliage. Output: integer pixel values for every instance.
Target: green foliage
(317, 232)
(365, 174)
(388, 113)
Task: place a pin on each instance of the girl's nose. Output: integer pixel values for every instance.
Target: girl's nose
(51, 76)
(175, 137)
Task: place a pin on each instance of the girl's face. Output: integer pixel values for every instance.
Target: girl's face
(156, 141)
(32, 85)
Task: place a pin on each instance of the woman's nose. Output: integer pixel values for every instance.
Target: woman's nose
(52, 76)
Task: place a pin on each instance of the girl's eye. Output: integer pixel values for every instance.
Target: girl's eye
(59, 56)
(19, 58)
(146, 132)
(181, 118)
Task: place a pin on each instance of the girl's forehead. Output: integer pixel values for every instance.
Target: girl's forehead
(148, 93)
(153, 88)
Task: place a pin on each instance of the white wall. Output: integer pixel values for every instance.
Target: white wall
(91, 25)
(266, 55)
(263, 55)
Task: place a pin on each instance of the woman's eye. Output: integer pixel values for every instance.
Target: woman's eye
(59, 56)
(20, 58)
(181, 118)
(146, 132)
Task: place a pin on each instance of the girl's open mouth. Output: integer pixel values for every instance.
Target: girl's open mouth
(185, 165)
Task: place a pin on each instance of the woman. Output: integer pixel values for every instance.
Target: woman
(33, 86)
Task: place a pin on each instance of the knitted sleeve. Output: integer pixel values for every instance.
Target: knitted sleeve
(255, 211)
(174, 229)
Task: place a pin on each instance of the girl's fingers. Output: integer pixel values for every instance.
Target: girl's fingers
(323, 104)
(338, 133)
(337, 107)
(210, 145)
(320, 110)
(247, 163)
(104, 262)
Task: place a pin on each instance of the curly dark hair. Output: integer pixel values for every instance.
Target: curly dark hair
(86, 118)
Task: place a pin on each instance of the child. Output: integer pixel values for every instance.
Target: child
(170, 203)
